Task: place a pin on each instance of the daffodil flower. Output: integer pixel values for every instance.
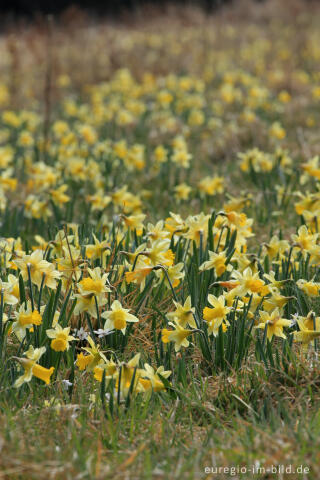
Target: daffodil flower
(183, 314)
(60, 338)
(217, 315)
(32, 368)
(178, 336)
(274, 323)
(117, 317)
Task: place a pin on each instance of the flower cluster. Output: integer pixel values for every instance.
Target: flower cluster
(159, 220)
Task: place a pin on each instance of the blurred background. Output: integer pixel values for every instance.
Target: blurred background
(110, 7)
(51, 45)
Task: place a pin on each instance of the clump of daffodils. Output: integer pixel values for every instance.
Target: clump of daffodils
(171, 214)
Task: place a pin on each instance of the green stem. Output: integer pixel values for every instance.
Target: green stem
(30, 287)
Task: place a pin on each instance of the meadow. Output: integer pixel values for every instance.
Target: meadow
(160, 245)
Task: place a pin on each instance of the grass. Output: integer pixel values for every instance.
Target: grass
(277, 422)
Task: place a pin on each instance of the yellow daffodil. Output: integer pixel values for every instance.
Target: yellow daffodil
(118, 317)
(217, 315)
(60, 338)
(274, 323)
(32, 368)
(178, 336)
(183, 314)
